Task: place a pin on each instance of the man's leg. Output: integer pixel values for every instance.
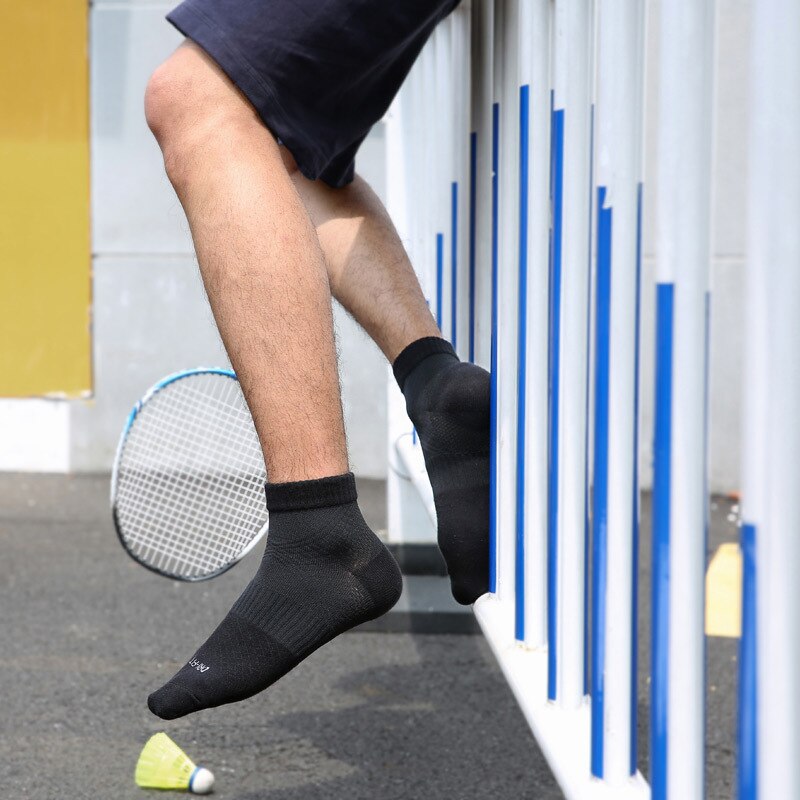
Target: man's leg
(368, 268)
(323, 571)
(448, 401)
(260, 260)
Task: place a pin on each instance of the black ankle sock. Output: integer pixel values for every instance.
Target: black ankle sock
(448, 402)
(323, 571)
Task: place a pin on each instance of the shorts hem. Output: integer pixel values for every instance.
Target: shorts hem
(196, 26)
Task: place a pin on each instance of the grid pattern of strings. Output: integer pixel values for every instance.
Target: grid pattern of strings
(190, 479)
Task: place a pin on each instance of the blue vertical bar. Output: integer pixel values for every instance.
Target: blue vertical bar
(659, 699)
(454, 264)
(522, 359)
(556, 195)
(586, 488)
(473, 211)
(493, 385)
(706, 496)
(635, 526)
(439, 277)
(600, 505)
(748, 671)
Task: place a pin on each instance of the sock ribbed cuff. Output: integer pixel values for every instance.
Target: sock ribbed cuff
(416, 352)
(335, 490)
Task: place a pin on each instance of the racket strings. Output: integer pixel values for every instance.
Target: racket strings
(157, 540)
(202, 451)
(185, 506)
(203, 481)
(189, 496)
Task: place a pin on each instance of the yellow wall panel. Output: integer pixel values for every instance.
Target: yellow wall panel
(45, 256)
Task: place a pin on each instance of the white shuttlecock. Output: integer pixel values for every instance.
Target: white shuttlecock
(163, 765)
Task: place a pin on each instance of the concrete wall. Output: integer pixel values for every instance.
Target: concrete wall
(150, 312)
(151, 317)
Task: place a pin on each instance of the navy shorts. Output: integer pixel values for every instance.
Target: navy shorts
(320, 73)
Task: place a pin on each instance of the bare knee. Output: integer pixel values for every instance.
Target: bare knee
(190, 102)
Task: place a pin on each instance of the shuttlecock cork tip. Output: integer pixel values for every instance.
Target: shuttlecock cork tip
(202, 781)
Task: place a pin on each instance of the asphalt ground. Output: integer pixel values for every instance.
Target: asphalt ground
(86, 634)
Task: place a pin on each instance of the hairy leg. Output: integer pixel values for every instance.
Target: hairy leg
(260, 260)
(368, 268)
(448, 401)
(323, 570)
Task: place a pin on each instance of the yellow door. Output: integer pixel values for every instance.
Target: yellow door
(45, 257)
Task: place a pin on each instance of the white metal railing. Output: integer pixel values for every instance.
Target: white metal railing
(515, 179)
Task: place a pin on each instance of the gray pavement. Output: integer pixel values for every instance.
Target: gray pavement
(85, 634)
